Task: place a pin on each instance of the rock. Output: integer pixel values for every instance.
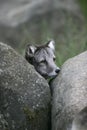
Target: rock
(23, 21)
(12, 13)
(24, 94)
(69, 92)
(80, 121)
(15, 12)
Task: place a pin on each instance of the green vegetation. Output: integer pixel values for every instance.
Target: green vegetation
(83, 4)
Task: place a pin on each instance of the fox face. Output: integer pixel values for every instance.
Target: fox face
(43, 59)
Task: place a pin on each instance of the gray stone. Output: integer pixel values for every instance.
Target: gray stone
(69, 92)
(12, 13)
(24, 94)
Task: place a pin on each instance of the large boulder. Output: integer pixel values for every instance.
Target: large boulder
(12, 13)
(70, 93)
(24, 94)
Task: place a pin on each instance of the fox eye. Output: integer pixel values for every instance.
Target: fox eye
(43, 61)
(54, 59)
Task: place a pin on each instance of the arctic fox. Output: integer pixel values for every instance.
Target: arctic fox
(43, 59)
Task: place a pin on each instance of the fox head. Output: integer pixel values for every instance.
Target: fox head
(43, 59)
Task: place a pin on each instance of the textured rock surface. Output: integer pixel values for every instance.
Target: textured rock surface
(24, 94)
(70, 92)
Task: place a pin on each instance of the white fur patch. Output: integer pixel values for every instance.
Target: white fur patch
(32, 49)
(52, 45)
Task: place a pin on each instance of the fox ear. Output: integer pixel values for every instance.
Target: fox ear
(29, 53)
(51, 44)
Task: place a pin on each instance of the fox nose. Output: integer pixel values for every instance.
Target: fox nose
(57, 71)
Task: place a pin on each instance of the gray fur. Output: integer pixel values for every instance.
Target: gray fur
(43, 59)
